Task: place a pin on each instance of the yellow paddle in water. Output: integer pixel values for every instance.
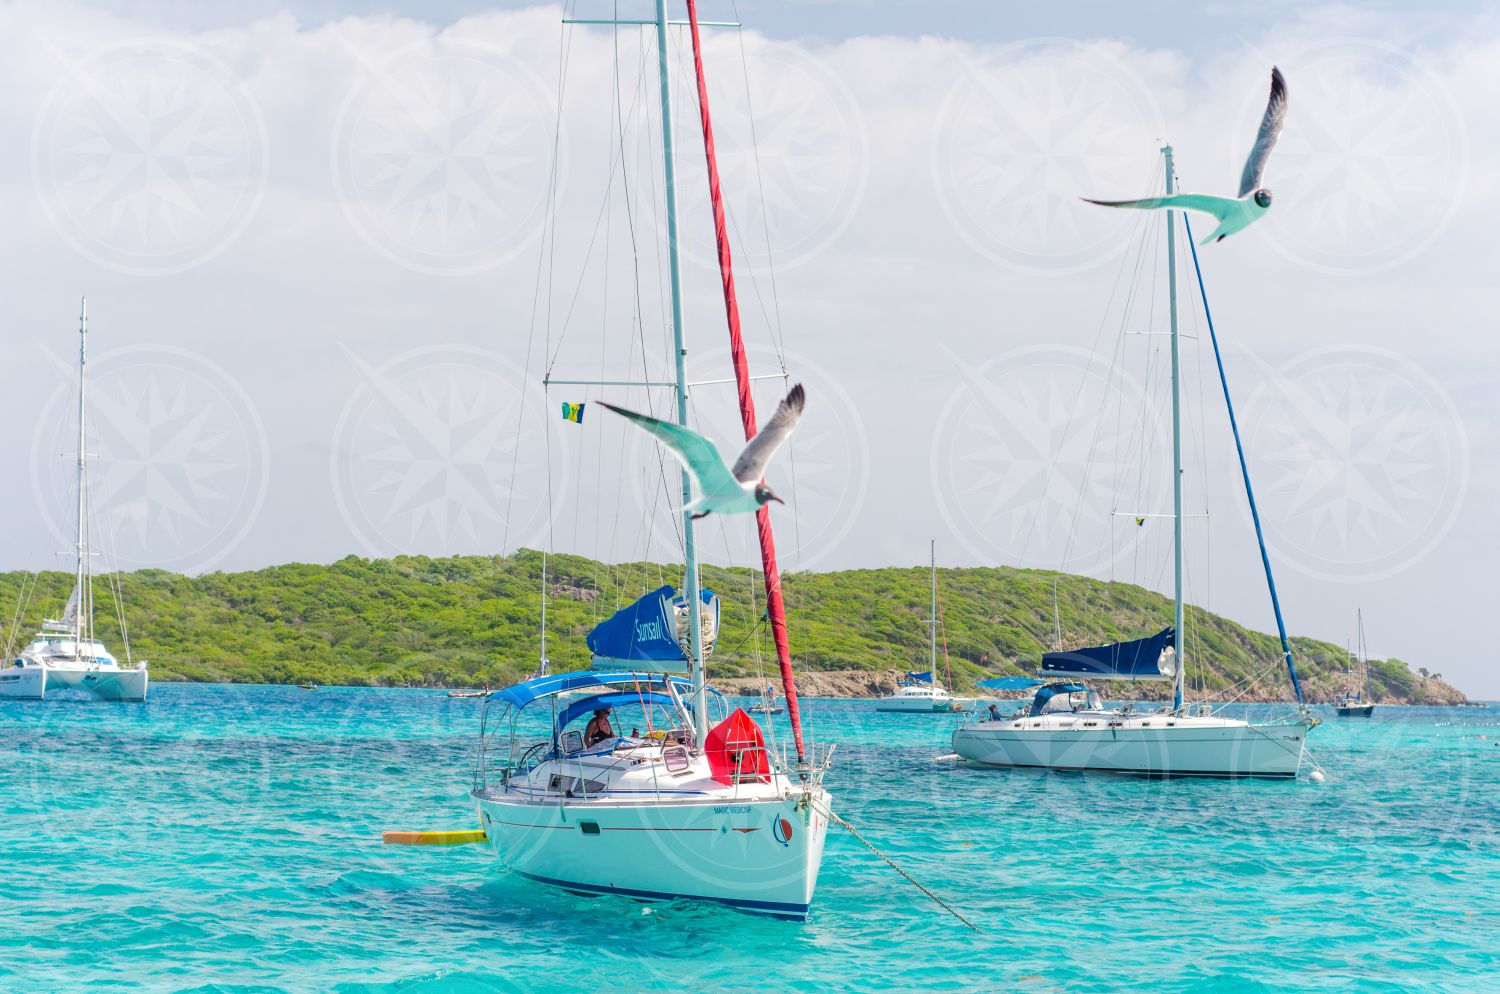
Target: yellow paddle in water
(440, 838)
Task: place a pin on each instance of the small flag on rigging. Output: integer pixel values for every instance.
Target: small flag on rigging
(572, 412)
(1139, 522)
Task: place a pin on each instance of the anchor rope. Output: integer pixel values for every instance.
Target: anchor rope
(892, 864)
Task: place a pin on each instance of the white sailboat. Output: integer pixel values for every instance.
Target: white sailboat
(924, 693)
(1067, 727)
(683, 807)
(1355, 703)
(65, 654)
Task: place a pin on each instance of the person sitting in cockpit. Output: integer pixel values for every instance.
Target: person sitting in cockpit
(599, 729)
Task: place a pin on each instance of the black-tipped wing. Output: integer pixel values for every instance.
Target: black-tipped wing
(751, 465)
(1219, 207)
(700, 456)
(1270, 130)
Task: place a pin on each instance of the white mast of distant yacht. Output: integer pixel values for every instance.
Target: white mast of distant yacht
(1177, 637)
(933, 666)
(83, 597)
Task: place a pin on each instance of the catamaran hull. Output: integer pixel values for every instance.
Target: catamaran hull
(27, 683)
(1263, 751)
(34, 682)
(891, 706)
(760, 856)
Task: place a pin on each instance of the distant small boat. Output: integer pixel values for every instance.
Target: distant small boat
(767, 703)
(921, 692)
(468, 693)
(1353, 703)
(307, 686)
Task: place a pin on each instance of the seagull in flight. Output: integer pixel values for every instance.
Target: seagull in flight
(724, 489)
(1234, 213)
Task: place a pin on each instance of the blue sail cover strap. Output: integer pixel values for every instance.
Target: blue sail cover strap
(645, 632)
(1234, 425)
(1138, 659)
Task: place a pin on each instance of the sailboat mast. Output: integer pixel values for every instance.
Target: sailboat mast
(674, 264)
(933, 674)
(1056, 621)
(1177, 637)
(1364, 653)
(82, 608)
(541, 666)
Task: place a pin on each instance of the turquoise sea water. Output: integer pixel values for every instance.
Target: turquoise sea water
(228, 839)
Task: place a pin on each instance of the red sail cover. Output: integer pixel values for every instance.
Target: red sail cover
(735, 745)
(775, 609)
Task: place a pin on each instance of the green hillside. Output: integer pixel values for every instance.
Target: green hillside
(469, 620)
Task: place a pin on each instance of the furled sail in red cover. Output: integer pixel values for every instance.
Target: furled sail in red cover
(775, 609)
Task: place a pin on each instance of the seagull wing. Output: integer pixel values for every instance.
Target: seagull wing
(1219, 207)
(751, 465)
(1270, 130)
(697, 454)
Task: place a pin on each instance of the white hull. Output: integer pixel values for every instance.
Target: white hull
(719, 849)
(104, 682)
(1156, 745)
(919, 700)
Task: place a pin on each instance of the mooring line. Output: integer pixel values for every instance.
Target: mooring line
(910, 879)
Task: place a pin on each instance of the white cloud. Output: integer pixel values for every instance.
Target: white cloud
(916, 192)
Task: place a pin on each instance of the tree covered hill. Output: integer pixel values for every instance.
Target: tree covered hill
(469, 620)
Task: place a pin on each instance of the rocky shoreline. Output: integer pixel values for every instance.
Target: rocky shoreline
(878, 683)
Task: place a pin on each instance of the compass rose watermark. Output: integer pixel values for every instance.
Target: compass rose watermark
(443, 156)
(1026, 132)
(821, 472)
(178, 458)
(793, 156)
(428, 454)
(1372, 164)
(1363, 456)
(149, 157)
(1024, 471)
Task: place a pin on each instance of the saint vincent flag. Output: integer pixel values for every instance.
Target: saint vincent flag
(573, 412)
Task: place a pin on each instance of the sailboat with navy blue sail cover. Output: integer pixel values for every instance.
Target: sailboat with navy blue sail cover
(1066, 726)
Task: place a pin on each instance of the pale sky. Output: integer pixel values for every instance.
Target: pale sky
(318, 245)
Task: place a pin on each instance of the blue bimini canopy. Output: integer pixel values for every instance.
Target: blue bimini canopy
(1052, 690)
(923, 677)
(1151, 658)
(614, 699)
(521, 694)
(645, 632)
(1008, 683)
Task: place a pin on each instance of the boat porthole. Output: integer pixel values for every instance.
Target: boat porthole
(589, 827)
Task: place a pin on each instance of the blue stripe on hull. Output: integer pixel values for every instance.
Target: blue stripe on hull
(777, 909)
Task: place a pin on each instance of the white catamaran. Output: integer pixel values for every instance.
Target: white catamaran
(682, 806)
(65, 655)
(924, 693)
(1067, 727)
